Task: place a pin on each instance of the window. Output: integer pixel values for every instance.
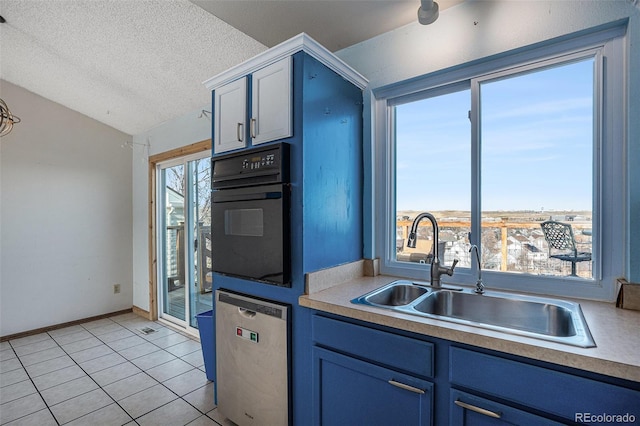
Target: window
(498, 149)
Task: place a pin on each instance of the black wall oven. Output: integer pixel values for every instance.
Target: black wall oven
(251, 214)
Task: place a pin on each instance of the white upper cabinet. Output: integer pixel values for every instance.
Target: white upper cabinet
(230, 116)
(271, 102)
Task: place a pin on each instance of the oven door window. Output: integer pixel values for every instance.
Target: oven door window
(244, 222)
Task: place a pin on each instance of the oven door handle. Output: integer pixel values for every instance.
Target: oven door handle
(222, 197)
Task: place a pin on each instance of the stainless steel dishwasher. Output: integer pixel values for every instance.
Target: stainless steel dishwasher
(252, 351)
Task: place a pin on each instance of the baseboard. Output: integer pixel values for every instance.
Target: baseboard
(63, 325)
(141, 312)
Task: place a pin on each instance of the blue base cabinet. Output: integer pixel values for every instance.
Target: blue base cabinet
(355, 392)
(369, 374)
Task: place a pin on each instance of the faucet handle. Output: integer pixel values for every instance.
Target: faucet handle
(453, 265)
(449, 271)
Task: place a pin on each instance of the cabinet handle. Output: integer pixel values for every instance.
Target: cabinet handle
(477, 409)
(406, 387)
(252, 128)
(239, 132)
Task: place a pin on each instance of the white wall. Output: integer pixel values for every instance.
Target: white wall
(475, 30)
(66, 221)
(190, 128)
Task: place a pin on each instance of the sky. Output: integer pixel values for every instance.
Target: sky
(536, 144)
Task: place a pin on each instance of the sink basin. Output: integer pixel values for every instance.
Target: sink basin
(538, 317)
(535, 317)
(395, 295)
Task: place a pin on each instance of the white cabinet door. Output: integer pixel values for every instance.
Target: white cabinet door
(271, 102)
(230, 112)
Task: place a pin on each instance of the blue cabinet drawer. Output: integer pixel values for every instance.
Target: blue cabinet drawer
(391, 350)
(470, 410)
(550, 391)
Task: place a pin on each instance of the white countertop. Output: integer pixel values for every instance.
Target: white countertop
(615, 331)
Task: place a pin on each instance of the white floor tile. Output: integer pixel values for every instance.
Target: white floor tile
(50, 365)
(16, 391)
(35, 347)
(186, 382)
(144, 402)
(129, 386)
(153, 359)
(13, 376)
(168, 370)
(115, 373)
(79, 406)
(68, 390)
(177, 412)
(58, 377)
(91, 353)
(39, 418)
(21, 407)
(202, 398)
(110, 415)
(102, 363)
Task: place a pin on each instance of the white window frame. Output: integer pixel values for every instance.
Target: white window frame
(607, 46)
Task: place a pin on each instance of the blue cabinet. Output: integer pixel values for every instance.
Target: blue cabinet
(354, 392)
(556, 393)
(361, 376)
(357, 364)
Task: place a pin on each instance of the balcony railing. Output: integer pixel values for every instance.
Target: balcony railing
(507, 245)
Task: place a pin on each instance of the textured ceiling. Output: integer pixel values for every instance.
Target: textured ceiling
(127, 63)
(133, 64)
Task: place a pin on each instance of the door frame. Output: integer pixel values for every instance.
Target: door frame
(153, 256)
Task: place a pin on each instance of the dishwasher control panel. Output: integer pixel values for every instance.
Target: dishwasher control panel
(249, 335)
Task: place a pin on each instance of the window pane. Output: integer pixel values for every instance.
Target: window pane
(537, 144)
(432, 173)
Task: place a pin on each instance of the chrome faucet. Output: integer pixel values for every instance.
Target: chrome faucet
(479, 286)
(436, 269)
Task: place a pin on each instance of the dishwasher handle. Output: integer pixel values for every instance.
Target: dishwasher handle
(246, 313)
(251, 307)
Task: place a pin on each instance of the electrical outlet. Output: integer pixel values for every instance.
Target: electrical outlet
(116, 288)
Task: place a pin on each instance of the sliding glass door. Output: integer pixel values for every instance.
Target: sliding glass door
(184, 239)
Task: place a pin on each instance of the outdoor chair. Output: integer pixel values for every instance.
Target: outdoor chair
(560, 238)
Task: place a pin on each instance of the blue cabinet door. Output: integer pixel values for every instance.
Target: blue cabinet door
(349, 391)
(470, 410)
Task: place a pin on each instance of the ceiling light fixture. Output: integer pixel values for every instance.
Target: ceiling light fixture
(428, 12)
(7, 120)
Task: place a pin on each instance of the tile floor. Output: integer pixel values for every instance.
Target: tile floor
(106, 372)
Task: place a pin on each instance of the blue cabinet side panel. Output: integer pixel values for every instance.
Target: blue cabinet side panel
(332, 170)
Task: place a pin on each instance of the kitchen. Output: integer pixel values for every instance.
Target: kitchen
(472, 42)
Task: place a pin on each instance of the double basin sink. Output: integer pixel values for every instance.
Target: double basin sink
(538, 317)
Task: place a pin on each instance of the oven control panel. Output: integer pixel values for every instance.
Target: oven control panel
(259, 161)
(256, 166)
